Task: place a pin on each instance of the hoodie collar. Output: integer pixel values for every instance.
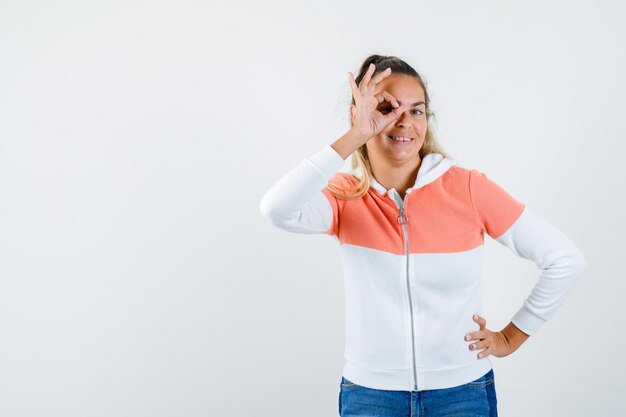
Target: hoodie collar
(432, 167)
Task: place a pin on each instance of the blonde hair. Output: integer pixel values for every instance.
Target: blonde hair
(360, 159)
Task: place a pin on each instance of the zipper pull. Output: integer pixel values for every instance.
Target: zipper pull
(402, 218)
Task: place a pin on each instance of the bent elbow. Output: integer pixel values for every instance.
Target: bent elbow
(274, 213)
(575, 262)
(268, 209)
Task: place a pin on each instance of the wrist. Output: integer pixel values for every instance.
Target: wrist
(358, 137)
(514, 336)
(352, 140)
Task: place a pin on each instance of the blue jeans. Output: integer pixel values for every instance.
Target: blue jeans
(474, 399)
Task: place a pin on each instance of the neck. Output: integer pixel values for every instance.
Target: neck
(395, 174)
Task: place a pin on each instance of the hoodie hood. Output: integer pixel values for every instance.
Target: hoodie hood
(432, 167)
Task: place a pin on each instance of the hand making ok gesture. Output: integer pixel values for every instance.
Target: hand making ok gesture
(366, 118)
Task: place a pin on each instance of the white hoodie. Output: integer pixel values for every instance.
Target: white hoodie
(413, 267)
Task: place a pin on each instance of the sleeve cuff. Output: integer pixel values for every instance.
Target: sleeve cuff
(327, 161)
(527, 321)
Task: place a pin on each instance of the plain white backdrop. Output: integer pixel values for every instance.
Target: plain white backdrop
(137, 275)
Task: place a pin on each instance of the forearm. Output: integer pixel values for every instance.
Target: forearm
(348, 143)
(561, 262)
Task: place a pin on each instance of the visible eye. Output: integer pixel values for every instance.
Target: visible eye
(417, 112)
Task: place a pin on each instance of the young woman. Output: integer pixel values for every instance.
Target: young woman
(411, 226)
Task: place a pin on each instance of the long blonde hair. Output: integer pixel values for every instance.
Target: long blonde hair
(360, 159)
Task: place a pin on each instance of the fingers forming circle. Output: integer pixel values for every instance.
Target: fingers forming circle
(385, 96)
(391, 99)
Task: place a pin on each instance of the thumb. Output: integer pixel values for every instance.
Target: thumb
(481, 321)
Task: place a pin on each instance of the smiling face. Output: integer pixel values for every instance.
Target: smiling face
(413, 123)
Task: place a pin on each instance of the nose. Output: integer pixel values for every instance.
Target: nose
(402, 120)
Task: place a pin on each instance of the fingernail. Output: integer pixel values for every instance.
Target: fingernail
(467, 337)
(475, 317)
(480, 355)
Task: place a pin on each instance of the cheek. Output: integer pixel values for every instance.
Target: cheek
(375, 142)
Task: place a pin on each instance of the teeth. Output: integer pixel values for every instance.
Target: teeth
(400, 139)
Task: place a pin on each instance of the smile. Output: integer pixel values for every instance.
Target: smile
(400, 139)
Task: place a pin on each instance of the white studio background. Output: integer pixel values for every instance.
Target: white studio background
(137, 275)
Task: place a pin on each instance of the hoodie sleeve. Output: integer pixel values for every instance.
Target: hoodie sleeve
(300, 202)
(529, 236)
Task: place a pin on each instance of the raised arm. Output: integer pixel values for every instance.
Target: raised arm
(296, 203)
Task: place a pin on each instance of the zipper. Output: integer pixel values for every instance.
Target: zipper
(403, 220)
